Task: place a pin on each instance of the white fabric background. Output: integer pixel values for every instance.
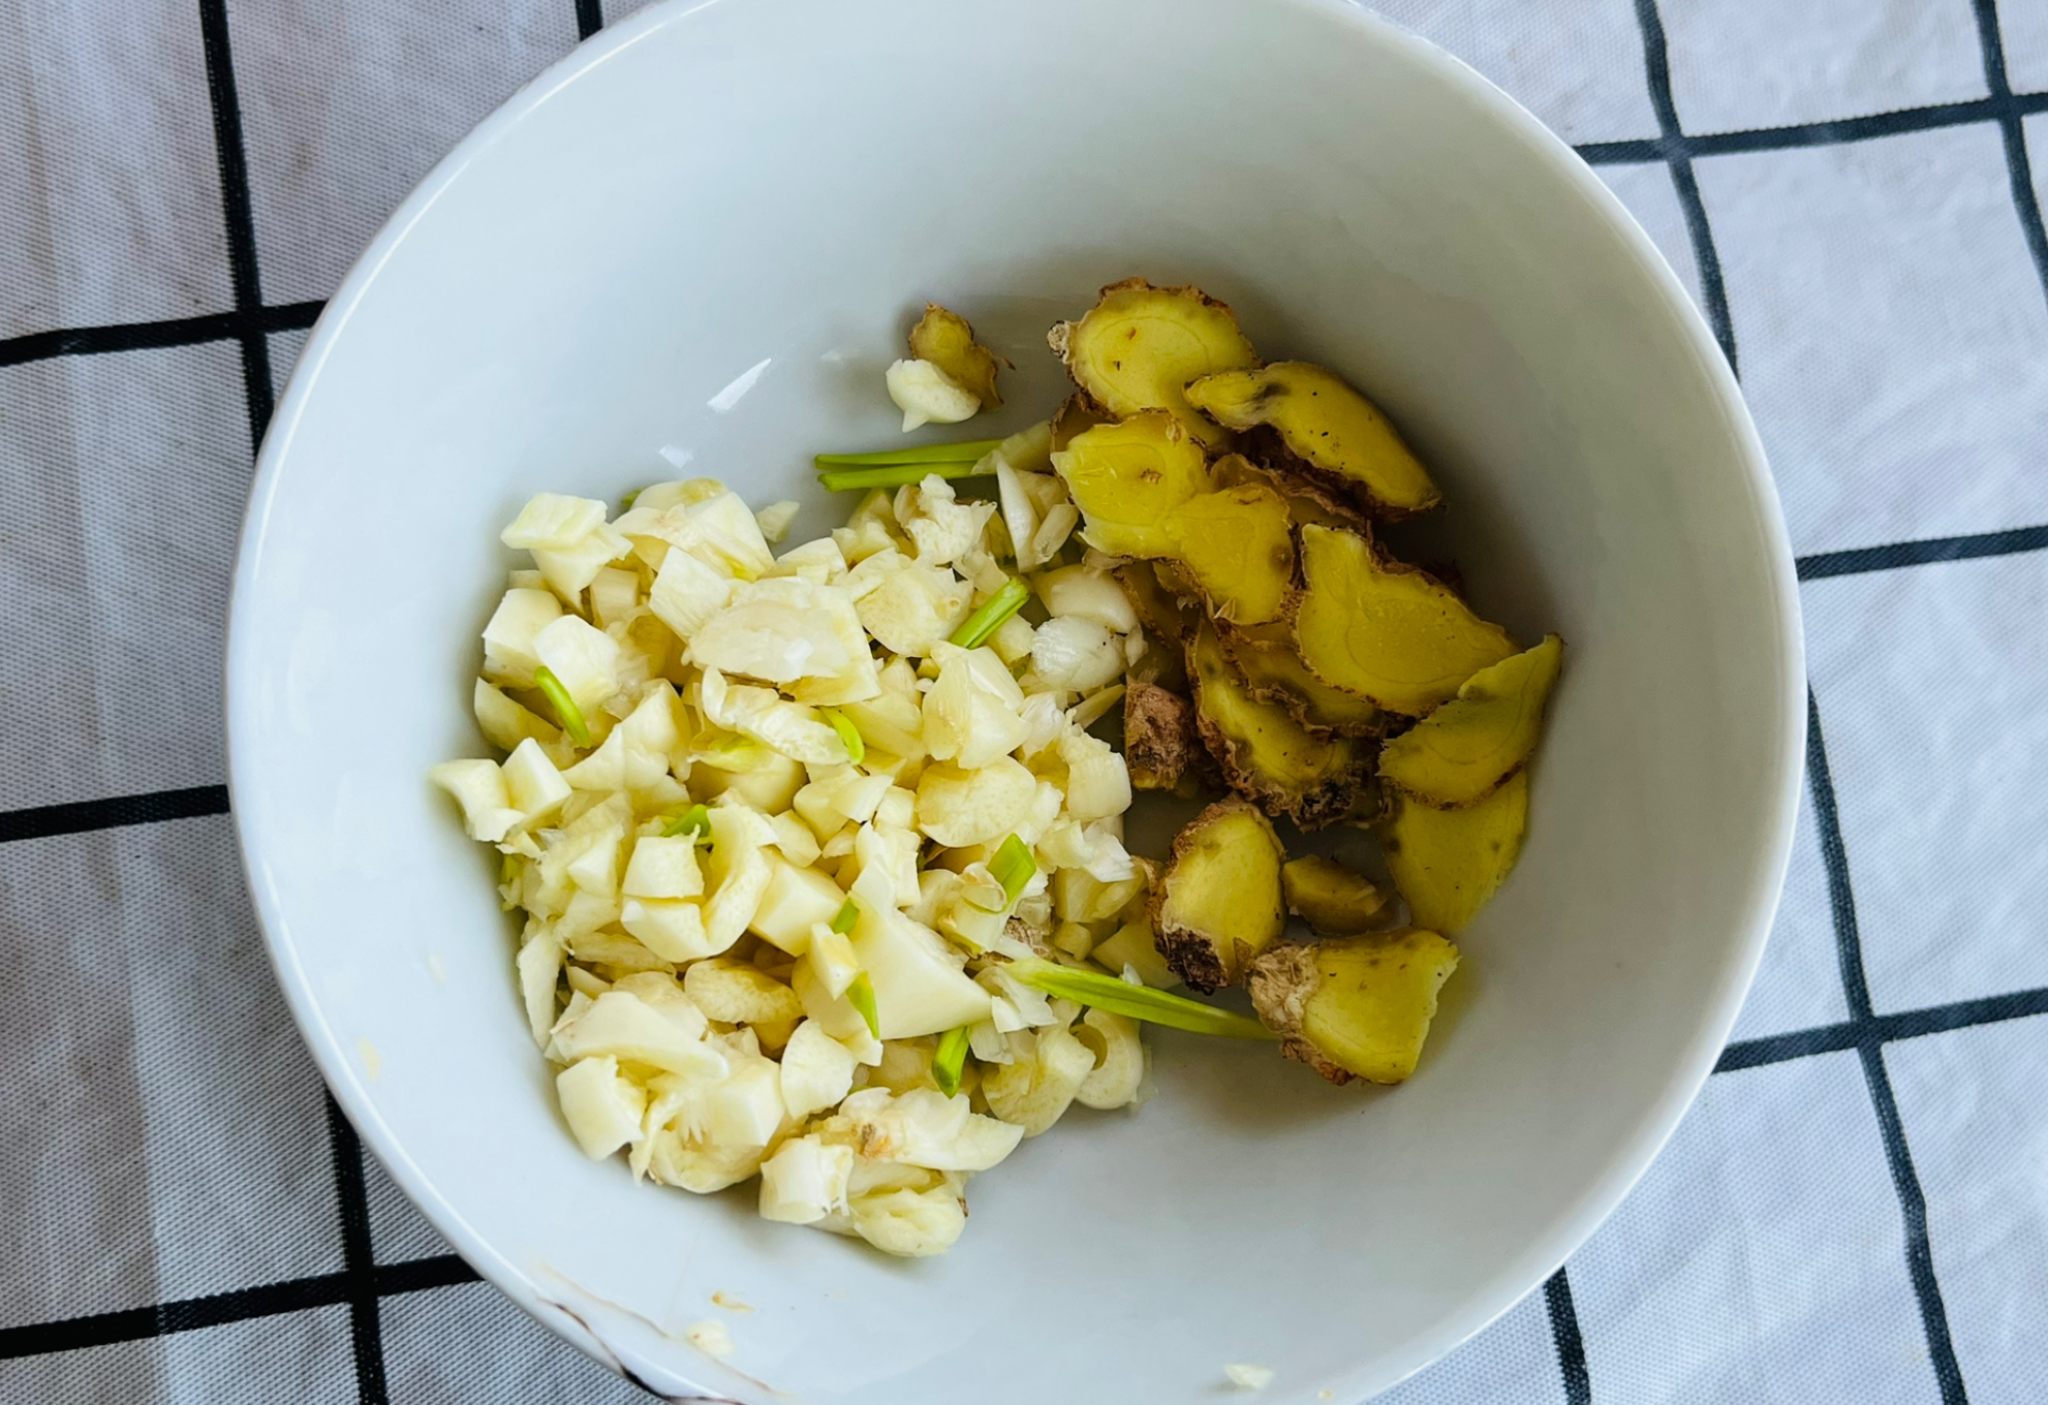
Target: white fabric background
(1857, 1209)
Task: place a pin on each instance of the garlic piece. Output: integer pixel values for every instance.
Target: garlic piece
(927, 395)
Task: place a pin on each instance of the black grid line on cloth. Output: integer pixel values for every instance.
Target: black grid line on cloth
(149, 336)
(2009, 113)
(1564, 1331)
(1862, 560)
(218, 1309)
(1678, 156)
(1948, 1374)
(1883, 1029)
(589, 18)
(82, 816)
(358, 1260)
(1834, 132)
(237, 214)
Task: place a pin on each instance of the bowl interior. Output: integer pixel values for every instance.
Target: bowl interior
(699, 241)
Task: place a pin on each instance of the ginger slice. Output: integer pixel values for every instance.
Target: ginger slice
(1177, 582)
(1144, 490)
(1385, 631)
(1160, 741)
(1448, 863)
(1335, 900)
(1127, 477)
(1273, 672)
(1166, 612)
(1139, 346)
(1354, 1007)
(1309, 503)
(1168, 622)
(944, 339)
(1325, 429)
(1075, 416)
(1266, 755)
(1219, 904)
(1460, 752)
(1238, 548)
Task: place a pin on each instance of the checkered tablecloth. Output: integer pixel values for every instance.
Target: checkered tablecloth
(1856, 1210)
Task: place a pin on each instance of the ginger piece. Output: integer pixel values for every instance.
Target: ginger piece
(1160, 741)
(1384, 631)
(1460, 752)
(944, 339)
(1335, 900)
(1309, 503)
(1273, 672)
(1219, 904)
(1143, 489)
(1324, 429)
(1354, 1007)
(1266, 755)
(1139, 346)
(1238, 548)
(1168, 621)
(1127, 477)
(1175, 580)
(1447, 863)
(1075, 416)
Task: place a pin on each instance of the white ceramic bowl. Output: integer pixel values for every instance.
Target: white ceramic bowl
(704, 233)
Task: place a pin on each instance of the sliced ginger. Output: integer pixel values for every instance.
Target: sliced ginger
(1238, 549)
(1273, 672)
(1448, 863)
(1460, 752)
(1139, 346)
(1168, 621)
(1308, 501)
(1384, 631)
(944, 339)
(1166, 612)
(1266, 755)
(1335, 900)
(1075, 416)
(1354, 1007)
(1327, 429)
(1219, 903)
(1160, 741)
(1127, 477)
(1144, 490)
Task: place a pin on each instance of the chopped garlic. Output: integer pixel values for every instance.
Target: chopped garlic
(508, 639)
(583, 657)
(973, 714)
(479, 787)
(728, 898)
(663, 867)
(602, 1107)
(777, 630)
(805, 1180)
(927, 395)
(911, 1223)
(774, 520)
(817, 1070)
(1069, 652)
(943, 528)
(1088, 593)
(1247, 1376)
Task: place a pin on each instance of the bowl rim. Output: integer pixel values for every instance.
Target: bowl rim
(1514, 1279)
